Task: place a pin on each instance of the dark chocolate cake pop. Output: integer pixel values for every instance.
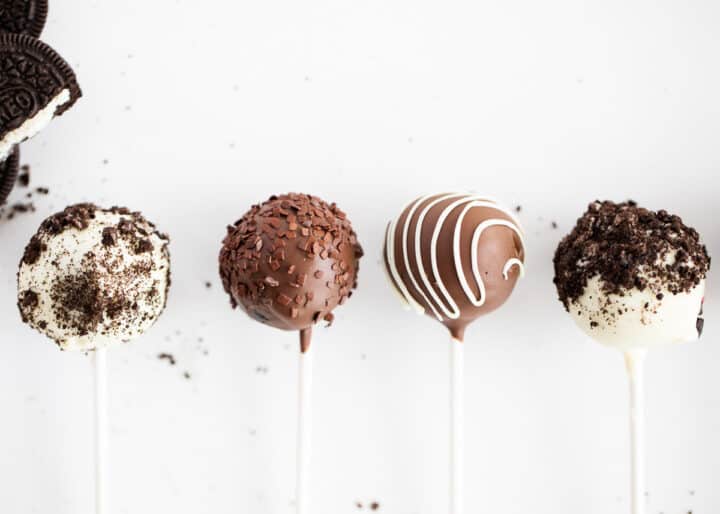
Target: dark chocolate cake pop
(454, 257)
(290, 261)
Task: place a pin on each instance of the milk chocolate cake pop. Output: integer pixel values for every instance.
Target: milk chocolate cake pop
(290, 261)
(631, 277)
(454, 257)
(92, 277)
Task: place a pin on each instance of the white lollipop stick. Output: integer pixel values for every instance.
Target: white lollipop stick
(635, 363)
(304, 435)
(456, 425)
(101, 431)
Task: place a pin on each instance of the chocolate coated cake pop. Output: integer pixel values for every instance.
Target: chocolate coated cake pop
(454, 257)
(290, 261)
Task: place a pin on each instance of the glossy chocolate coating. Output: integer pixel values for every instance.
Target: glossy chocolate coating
(290, 261)
(445, 238)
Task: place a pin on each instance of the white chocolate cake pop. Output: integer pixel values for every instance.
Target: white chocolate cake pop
(631, 277)
(93, 277)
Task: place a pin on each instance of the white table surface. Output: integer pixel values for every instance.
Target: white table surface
(202, 108)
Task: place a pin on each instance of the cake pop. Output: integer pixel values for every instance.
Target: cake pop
(94, 277)
(288, 263)
(633, 279)
(89, 278)
(455, 257)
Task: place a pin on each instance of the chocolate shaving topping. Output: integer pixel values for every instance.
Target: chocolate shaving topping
(629, 247)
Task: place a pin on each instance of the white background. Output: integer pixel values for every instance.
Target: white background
(203, 108)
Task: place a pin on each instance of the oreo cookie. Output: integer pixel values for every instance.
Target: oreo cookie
(8, 174)
(36, 84)
(23, 16)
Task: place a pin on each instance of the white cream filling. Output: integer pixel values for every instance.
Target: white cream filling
(34, 125)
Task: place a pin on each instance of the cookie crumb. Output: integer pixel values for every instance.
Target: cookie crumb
(167, 357)
(24, 177)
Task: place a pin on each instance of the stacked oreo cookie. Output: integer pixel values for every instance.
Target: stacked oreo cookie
(36, 84)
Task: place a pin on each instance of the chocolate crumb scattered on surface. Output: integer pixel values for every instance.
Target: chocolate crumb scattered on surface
(10, 212)
(167, 357)
(24, 176)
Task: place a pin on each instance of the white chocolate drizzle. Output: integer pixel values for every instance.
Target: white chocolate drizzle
(446, 305)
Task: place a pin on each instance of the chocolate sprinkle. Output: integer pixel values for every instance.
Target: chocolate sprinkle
(629, 247)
